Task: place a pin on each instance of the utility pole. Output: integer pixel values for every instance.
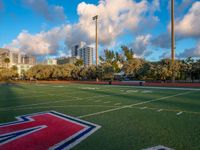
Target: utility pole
(172, 40)
(96, 37)
(96, 40)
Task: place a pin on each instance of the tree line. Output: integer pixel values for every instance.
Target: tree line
(114, 65)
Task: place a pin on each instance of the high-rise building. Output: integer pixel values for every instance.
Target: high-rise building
(84, 52)
(22, 61)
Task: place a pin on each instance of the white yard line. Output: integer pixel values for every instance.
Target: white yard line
(179, 113)
(143, 107)
(128, 106)
(160, 110)
(156, 87)
(170, 110)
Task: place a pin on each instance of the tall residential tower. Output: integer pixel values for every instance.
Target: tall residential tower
(84, 52)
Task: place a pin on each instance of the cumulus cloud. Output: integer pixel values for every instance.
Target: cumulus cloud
(49, 12)
(191, 52)
(116, 17)
(189, 25)
(155, 6)
(41, 43)
(185, 27)
(140, 45)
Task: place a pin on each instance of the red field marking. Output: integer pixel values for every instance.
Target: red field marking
(43, 131)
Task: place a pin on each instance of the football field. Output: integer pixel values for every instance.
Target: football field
(129, 117)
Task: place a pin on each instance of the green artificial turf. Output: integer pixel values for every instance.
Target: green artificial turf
(145, 117)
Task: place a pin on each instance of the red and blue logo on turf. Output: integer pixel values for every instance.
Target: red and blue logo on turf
(47, 130)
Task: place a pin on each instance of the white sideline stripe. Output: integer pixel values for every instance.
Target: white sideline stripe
(67, 106)
(156, 87)
(159, 147)
(179, 113)
(132, 91)
(128, 106)
(160, 110)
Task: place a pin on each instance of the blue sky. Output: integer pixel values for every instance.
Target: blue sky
(51, 27)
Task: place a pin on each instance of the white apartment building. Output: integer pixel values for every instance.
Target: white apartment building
(23, 62)
(84, 52)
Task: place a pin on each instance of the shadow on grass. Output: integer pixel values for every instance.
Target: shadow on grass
(8, 95)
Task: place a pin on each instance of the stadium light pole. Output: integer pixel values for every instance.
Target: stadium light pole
(96, 39)
(172, 40)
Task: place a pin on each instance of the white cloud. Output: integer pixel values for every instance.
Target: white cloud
(140, 46)
(155, 6)
(185, 27)
(189, 25)
(41, 43)
(116, 17)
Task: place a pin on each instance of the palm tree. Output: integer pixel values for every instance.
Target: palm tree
(7, 61)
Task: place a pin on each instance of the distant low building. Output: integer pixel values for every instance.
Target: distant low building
(66, 60)
(23, 62)
(50, 61)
